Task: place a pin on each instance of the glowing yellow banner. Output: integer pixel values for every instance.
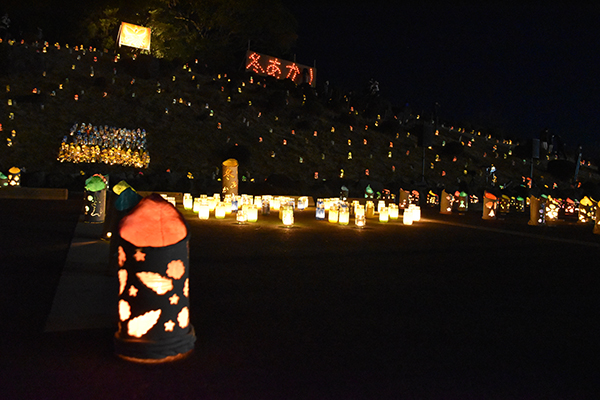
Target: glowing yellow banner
(134, 36)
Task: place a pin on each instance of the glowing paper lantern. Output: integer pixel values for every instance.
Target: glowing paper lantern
(369, 209)
(220, 210)
(344, 214)
(380, 205)
(241, 216)
(415, 212)
(504, 204)
(287, 216)
(302, 202)
(230, 176)
(188, 201)
(134, 36)
(252, 213)
(153, 262)
(333, 214)
(489, 206)
(407, 216)
(393, 211)
(320, 213)
(383, 214)
(203, 209)
(446, 201)
(14, 176)
(537, 211)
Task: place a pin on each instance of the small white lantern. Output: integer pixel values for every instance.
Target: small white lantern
(380, 205)
(188, 201)
(383, 214)
(416, 212)
(333, 214)
(393, 211)
(220, 210)
(407, 217)
(252, 213)
(360, 220)
(203, 209)
(370, 209)
(287, 216)
(344, 215)
(241, 216)
(302, 202)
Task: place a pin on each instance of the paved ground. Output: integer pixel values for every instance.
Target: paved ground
(453, 307)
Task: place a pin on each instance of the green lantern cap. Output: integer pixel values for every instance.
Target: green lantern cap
(94, 184)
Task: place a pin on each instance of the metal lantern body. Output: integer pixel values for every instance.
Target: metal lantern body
(95, 199)
(504, 204)
(537, 211)
(302, 203)
(153, 259)
(188, 201)
(230, 176)
(490, 203)
(552, 209)
(463, 202)
(587, 210)
(14, 176)
(446, 200)
(403, 199)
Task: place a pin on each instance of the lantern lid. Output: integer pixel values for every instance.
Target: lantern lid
(232, 162)
(586, 201)
(14, 170)
(154, 222)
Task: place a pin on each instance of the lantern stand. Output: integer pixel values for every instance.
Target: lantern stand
(153, 259)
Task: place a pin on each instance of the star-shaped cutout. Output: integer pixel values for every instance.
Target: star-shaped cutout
(169, 325)
(174, 299)
(133, 291)
(139, 256)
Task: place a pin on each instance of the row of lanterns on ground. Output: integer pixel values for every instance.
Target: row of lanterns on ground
(247, 208)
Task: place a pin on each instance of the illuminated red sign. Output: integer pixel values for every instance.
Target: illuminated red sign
(280, 69)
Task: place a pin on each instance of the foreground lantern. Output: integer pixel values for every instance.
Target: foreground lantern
(203, 209)
(153, 259)
(369, 209)
(252, 213)
(463, 202)
(359, 216)
(220, 210)
(333, 214)
(302, 203)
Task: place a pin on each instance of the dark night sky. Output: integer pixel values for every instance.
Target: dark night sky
(522, 68)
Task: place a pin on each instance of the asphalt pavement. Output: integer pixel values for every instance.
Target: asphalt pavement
(451, 307)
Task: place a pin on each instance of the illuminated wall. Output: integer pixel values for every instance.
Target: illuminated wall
(280, 69)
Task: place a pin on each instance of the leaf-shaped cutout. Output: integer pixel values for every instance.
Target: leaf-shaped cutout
(175, 269)
(139, 326)
(183, 318)
(156, 282)
(122, 280)
(124, 310)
